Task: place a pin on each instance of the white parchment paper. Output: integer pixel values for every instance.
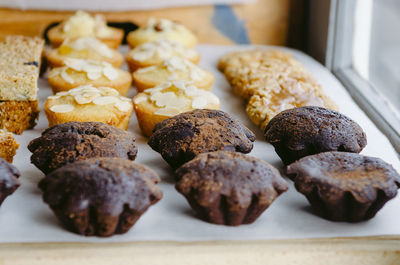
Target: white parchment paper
(25, 218)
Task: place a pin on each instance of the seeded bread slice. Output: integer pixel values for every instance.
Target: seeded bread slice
(21, 50)
(18, 82)
(20, 58)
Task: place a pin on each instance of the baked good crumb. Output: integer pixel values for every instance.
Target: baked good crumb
(17, 116)
(8, 146)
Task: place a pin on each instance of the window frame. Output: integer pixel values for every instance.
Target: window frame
(339, 59)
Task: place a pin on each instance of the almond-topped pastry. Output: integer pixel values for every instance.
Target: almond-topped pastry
(153, 53)
(82, 24)
(157, 29)
(88, 48)
(271, 81)
(266, 104)
(89, 103)
(164, 101)
(173, 69)
(79, 72)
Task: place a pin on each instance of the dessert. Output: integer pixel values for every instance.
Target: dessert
(8, 179)
(304, 131)
(164, 101)
(165, 29)
(100, 196)
(8, 146)
(18, 116)
(271, 81)
(21, 50)
(87, 48)
(262, 107)
(173, 69)
(74, 141)
(77, 72)
(153, 53)
(82, 24)
(20, 61)
(345, 187)
(229, 188)
(184, 136)
(89, 103)
(253, 57)
(18, 82)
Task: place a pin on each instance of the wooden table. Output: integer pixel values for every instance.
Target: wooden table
(360, 251)
(266, 21)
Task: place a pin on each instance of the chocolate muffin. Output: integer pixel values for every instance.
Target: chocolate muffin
(344, 186)
(100, 196)
(9, 182)
(74, 141)
(229, 188)
(182, 137)
(304, 131)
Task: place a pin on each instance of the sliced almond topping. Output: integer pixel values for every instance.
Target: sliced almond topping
(67, 77)
(199, 103)
(197, 73)
(86, 43)
(111, 73)
(83, 100)
(176, 64)
(92, 75)
(124, 106)
(55, 72)
(54, 97)
(157, 95)
(108, 91)
(62, 93)
(105, 100)
(173, 76)
(162, 99)
(62, 108)
(74, 63)
(167, 112)
(139, 99)
(146, 69)
(91, 94)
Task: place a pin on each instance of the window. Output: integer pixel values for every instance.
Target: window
(363, 51)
